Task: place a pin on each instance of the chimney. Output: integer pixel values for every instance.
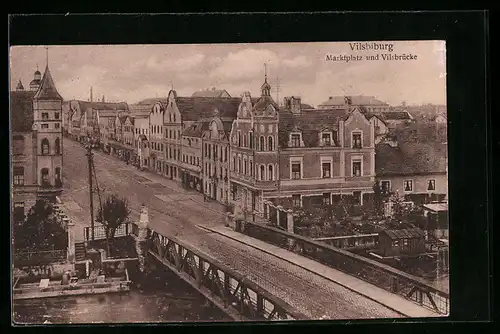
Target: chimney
(91, 98)
(103, 98)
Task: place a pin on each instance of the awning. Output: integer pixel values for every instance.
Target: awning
(436, 207)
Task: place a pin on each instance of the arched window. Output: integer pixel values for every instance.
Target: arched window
(270, 146)
(251, 140)
(58, 146)
(262, 172)
(45, 147)
(270, 175)
(262, 143)
(44, 173)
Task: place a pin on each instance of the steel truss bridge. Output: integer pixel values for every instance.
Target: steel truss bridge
(244, 298)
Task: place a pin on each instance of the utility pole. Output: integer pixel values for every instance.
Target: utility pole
(90, 144)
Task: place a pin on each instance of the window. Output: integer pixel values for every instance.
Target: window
(296, 200)
(58, 177)
(56, 115)
(45, 147)
(45, 176)
(45, 126)
(385, 186)
(244, 141)
(58, 146)
(234, 163)
(408, 185)
(357, 167)
(45, 116)
(250, 167)
(296, 170)
(261, 143)
(262, 173)
(251, 139)
(356, 140)
(245, 166)
(405, 242)
(239, 165)
(295, 140)
(395, 243)
(225, 154)
(326, 138)
(326, 170)
(326, 199)
(431, 185)
(239, 138)
(270, 175)
(18, 173)
(270, 145)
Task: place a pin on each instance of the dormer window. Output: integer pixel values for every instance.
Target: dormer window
(357, 140)
(295, 140)
(326, 139)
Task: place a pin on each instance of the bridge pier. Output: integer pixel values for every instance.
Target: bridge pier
(71, 241)
(141, 238)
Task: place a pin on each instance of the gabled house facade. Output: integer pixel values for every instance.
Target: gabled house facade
(254, 158)
(36, 143)
(215, 162)
(325, 154)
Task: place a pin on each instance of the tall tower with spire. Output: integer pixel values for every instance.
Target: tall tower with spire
(47, 136)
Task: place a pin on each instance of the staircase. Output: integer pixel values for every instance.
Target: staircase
(80, 251)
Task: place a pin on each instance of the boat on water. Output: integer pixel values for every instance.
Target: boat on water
(71, 286)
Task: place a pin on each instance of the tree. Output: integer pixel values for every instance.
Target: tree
(40, 231)
(114, 212)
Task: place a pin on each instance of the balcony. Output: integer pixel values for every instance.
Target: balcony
(46, 188)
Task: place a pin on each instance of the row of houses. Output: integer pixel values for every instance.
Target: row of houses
(250, 149)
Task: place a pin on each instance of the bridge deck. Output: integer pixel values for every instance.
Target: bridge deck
(311, 294)
(393, 301)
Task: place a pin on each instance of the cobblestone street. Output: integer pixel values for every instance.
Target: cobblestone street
(176, 211)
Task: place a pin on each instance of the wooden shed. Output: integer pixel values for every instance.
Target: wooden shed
(401, 242)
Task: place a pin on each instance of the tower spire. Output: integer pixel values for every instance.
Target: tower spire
(265, 72)
(47, 55)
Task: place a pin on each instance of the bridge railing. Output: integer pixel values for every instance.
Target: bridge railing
(376, 273)
(100, 231)
(235, 293)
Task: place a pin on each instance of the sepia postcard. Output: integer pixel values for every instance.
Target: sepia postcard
(229, 182)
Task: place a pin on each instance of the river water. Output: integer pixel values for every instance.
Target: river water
(161, 302)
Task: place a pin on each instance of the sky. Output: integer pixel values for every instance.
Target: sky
(134, 72)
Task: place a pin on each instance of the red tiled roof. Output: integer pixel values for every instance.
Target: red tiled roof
(356, 100)
(310, 123)
(420, 132)
(196, 129)
(210, 93)
(195, 108)
(410, 158)
(395, 115)
(21, 111)
(47, 89)
(408, 233)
